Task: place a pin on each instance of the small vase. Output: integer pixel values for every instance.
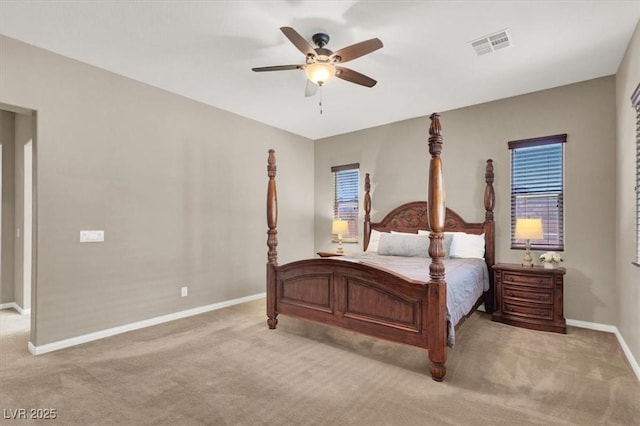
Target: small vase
(549, 265)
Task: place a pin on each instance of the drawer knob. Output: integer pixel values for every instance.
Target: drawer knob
(509, 294)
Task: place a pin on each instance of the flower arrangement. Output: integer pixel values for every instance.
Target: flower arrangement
(550, 256)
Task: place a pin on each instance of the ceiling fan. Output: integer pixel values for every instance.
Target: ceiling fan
(321, 64)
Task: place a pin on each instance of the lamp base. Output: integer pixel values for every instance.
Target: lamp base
(340, 246)
(526, 261)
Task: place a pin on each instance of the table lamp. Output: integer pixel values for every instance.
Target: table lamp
(528, 229)
(340, 227)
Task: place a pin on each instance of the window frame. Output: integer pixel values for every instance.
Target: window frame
(353, 219)
(548, 194)
(635, 103)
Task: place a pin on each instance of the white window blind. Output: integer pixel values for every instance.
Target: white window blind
(635, 101)
(346, 190)
(537, 188)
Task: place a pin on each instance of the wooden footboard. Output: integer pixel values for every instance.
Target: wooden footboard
(352, 296)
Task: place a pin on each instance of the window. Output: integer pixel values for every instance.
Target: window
(635, 101)
(346, 190)
(537, 188)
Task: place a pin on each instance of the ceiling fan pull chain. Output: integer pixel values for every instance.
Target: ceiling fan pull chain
(320, 102)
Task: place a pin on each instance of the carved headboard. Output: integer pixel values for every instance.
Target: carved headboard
(414, 216)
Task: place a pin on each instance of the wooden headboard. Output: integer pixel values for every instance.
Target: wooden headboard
(414, 216)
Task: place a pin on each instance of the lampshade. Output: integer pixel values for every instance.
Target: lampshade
(320, 73)
(340, 227)
(529, 229)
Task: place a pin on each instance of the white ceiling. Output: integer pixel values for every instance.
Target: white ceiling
(205, 50)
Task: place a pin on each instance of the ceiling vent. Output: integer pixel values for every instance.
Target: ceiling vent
(492, 42)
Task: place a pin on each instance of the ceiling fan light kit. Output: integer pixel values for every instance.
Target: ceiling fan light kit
(320, 63)
(320, 73)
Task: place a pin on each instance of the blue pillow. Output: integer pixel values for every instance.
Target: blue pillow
(403, 245)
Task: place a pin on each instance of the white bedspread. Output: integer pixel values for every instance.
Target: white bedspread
(466, 280)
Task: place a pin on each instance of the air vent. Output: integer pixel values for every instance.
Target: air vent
(492, 42)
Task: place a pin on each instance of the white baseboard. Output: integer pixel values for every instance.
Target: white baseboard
(62, 344)
(610, 329)
(14, 305)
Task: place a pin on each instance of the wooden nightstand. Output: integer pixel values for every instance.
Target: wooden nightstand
(329, 254)
(529, 297)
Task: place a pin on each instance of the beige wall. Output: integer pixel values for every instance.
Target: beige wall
(627, 275)
(7, 142)
(179, 188)
(396, 156)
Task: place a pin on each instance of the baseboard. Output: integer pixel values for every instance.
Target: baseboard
(610, 329)
(9, 305)
(14, 305)
(66, 343)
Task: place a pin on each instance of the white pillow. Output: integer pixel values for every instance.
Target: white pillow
(423, 232)
(374, 240)
(467, 246)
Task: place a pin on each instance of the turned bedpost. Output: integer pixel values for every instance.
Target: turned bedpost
(437, 286)
(367, 212)
(489, 232)
(272, 240)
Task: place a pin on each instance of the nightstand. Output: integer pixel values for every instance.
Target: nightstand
(329, 254)
(529, 297)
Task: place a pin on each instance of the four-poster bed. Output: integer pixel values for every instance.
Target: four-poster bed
(358, 295)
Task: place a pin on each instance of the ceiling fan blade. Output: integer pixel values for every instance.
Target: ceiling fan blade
(278, 68)
(298, 41)
(354, 51)
(311, 89)
(354, 77)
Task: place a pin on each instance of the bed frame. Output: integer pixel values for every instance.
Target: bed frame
(372, 300)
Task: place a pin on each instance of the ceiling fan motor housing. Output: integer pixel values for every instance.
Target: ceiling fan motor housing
(320, 39)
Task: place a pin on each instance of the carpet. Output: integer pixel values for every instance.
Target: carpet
(227, 368)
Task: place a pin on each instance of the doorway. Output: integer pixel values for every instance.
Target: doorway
(17, 134)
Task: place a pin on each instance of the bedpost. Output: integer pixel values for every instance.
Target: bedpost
(489, 233)
(367, 212)
(437, 286)
(272, 240)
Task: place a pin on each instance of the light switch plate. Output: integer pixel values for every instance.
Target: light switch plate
(92, 236)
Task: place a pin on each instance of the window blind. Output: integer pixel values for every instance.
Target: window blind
(635, 101)
(537, 188)
(346, 190)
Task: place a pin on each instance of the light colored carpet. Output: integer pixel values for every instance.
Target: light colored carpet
(227, 368)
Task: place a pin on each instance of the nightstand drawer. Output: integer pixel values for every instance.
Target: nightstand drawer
(537, 312)
(528, 280)
(520, 294)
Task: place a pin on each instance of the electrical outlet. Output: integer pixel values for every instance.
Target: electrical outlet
(184, 291)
